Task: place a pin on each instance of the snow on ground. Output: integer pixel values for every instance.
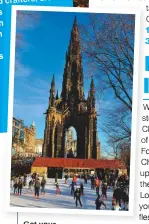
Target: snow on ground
(64, 200)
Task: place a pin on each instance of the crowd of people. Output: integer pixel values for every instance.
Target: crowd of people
(21, 165)
(119, 185)
(99, 184)
(35, 185)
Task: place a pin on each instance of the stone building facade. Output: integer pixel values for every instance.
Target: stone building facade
(98, 150)
(17, 136)
(30, 139)
(23, 138)
(71, 108)
(38, 146)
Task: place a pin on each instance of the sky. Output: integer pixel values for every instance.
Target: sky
(41, 55)
(41, 44)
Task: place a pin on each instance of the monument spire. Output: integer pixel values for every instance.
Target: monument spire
(73, 72)
(52, 93)
(92, 94)
(72, 108)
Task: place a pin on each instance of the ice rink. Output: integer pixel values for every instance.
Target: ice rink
(64, 200)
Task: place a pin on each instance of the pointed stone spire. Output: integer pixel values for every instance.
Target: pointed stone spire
(75, 21)
(53, 82)
(92, 86)
(57, 97)
(88, 94)
(52, 93)
(33, 124)
(91, 97)
(73, 72)
(75, 31)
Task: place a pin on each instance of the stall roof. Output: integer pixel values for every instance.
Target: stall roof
(80, 163)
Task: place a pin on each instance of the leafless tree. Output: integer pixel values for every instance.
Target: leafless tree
(115, 152)
(108, 47)
(116, 124)
(121, 151)
(125, 153)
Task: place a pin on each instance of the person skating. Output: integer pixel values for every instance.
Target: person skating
(125, 199)
(34, 176)
(15, 185)
(113, 203)
(30, 186)
(85, 179)
(25, 179)
(92, 182)
(72, 188)
(117, 207)
(56, 177)
(37, 187)
(57, 188)
(97, 182)
(127, 184)
(82, 189)
(43, 183)
(117, 196)
(66, 178)
(12, 181)
(99, 202)
(97, 191)
(74, 179)
(113, 184)
(77, 196)
(20, 185)
(104, 190)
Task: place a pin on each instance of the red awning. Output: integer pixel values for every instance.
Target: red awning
(80, 163)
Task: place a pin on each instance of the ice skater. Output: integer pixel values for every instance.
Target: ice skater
(66, 178)
(77, 196)
(82, 189)
(104, 190)
(30, 186)
(57, 188)
(117, 196)
(99, 202)
(43, 183)
(97, 191)
(37, 187)
(15, 185)
(20, 186)
(72, 188)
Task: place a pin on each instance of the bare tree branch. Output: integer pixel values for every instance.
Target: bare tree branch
(108, 47)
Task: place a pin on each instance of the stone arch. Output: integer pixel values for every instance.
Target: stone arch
(70, 142)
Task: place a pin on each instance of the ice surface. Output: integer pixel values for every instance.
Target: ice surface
(64, 200)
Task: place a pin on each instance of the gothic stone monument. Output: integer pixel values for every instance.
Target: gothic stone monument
(71, 108)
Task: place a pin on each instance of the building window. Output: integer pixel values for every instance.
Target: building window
(22, 125)
(13, 131)
(17, 124)
(22, 135)
(16, 130)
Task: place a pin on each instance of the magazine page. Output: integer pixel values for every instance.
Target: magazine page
(74, 101)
